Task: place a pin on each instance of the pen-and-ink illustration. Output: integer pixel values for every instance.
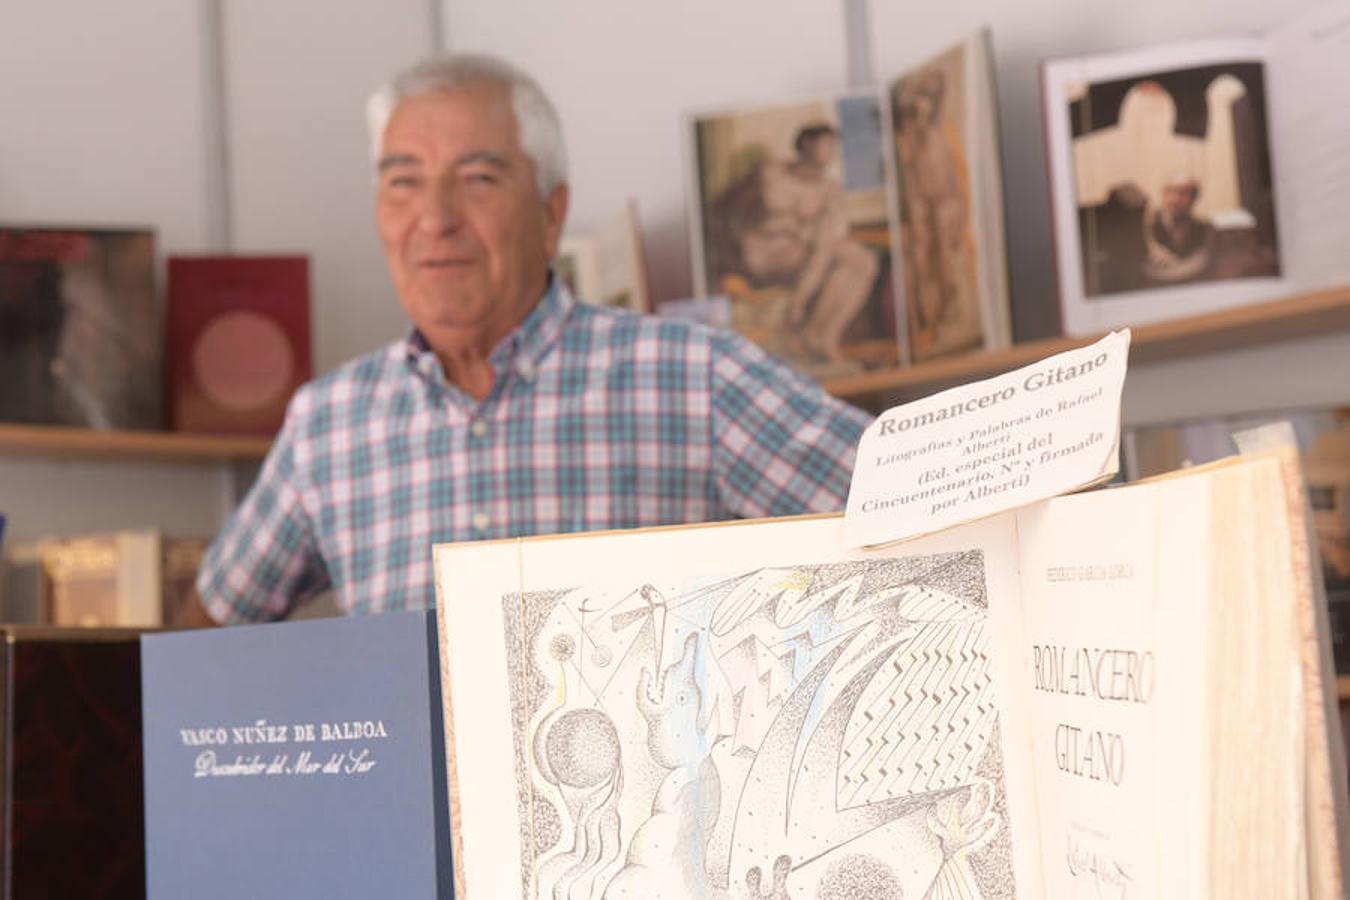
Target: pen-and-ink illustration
(816, 731)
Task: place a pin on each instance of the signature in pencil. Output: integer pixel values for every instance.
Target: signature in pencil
(1110, 877)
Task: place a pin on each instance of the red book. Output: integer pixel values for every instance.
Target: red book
(238, 341)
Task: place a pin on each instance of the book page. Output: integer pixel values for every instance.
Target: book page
(1114, 657)
(989, 446)
(943, 143)
(745, 709)
(1256, 756)
(988, 191)
(1325, 782)
(791, 218)
(607, 263)
(1309, 75)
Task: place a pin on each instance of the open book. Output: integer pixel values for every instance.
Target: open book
(863, 229)
(1114, 694)
(1188, 178)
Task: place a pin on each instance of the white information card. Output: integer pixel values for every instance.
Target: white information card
(982, 448)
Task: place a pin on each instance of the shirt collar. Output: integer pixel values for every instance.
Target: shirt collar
(523, 349)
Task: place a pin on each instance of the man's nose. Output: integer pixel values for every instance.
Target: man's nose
(441, 211)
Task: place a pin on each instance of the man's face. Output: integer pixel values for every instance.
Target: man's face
(467, 237)
(1178, 198)
(823, 150)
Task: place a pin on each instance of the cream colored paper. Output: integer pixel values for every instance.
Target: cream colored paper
(752, 709)
(980, 449)
(737, 711)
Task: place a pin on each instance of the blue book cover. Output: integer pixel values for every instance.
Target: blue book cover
(300, 759)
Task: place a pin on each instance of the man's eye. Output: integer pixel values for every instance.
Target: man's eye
(480, 177)
(401, 182)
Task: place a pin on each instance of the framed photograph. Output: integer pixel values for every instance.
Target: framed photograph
(1163, 186)
(792, 221)
(81, 332)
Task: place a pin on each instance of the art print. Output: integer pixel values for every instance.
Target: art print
(791, 223)
(824, 731)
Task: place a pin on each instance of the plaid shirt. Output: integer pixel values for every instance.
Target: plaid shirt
(598, 419)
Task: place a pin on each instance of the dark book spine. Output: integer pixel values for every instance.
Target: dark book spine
(7, 760)
(445, 875)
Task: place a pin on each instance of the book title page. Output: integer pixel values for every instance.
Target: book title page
(1113, 655)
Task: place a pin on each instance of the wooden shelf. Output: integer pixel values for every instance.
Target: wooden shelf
(141, 446)
(1307, 314)
(1343, 687)
(1293, 317)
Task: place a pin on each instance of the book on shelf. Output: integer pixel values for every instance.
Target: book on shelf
(80, 327)
(949, 184)
(102, 580)
(238, 341)
(70, 747)
(180, 557)
(132, 577)
(604, 265)
(1124, 692)
(859, 230)
(791, 219)
(311, 748)
(1193, 177)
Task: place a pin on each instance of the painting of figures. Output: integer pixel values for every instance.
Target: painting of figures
(791, 223)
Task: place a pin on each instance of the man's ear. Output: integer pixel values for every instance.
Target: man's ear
(555, 213)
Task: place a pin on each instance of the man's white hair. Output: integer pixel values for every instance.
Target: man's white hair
(537, 120)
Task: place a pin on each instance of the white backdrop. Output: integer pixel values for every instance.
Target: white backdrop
(107, 113)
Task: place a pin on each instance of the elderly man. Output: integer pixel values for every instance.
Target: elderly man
(1180, 243)
(511, 409)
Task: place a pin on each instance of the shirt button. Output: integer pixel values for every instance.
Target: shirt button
(479, 428)
(481, 521)
(526, 369)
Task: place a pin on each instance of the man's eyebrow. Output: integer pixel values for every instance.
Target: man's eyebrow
(395, 159)
(490, 157)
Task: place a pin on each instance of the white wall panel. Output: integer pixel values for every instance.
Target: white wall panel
(623, 73)
(100, 116)
(1304, 373)
(297, 75)
(54, 497)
